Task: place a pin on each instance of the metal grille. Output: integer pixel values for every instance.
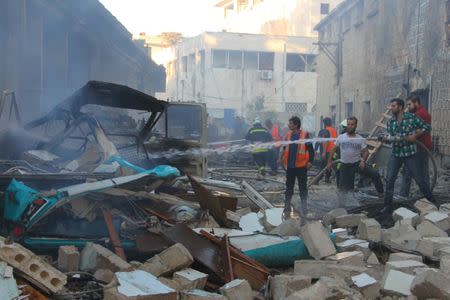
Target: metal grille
(296, 107)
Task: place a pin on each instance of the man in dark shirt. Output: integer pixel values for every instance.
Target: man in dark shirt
(297, 157)
(259, 134)
(414, 106)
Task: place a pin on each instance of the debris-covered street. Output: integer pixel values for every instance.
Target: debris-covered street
(232, 149)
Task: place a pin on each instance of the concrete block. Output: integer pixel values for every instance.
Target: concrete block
(369, 229)
(191, 279)
(430, 246)
(396, 283)
(138, 285)
(402, 214)
(200, 295)
(396, 231)
(405, 266)
(343, 238)
(444, 263)
(104, 275)
(272, 218)
(373, 260)
(444, 251)
(351, 220)
(330, 217)
(94, 257)
(251, 223)
(289, 227)
(404, 256)
(408, 240)
(173, 259)
(424, 206)
(326, 288)
(36, 270)
(355, 245)
(238, 289)
(317, 240)
(431, 284)
(439, 219)
(428, 229)
(173, 284)
(355, 258)
(340, 231)
(445, 208)
(367, 285)
(281, 286)
(68, 258)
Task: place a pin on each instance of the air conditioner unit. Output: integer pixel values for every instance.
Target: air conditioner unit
(265, 75)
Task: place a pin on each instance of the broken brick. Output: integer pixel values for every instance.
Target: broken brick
(238, 289)
(94, 257)
(369, 229)
(68, 258)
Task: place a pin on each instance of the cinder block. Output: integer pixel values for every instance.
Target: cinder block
(405, 266)
(36, 270)
(367, 285)
(68, 258)
(439, 219)
(317, 240)
(238, 289)
(191, 279)
(404, 256)
(428, 229)
(200, 295)
(424, 206)
(173, 259)
(281, 286)
(355, 258)
(402, 214)
(94, 257)
(396, 283)
(431, 285)
(369, 229)
(351, 220)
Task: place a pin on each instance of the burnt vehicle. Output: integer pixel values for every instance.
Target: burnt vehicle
(99, 151)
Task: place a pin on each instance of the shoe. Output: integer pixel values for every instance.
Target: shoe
(286, 215)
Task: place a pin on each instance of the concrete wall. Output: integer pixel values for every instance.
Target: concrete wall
(48, 49)
(389, 49)
(223, 88)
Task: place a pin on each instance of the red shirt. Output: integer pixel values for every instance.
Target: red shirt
(422, 113)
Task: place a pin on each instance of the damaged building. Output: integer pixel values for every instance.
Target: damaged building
(49, 49)
(371, 51)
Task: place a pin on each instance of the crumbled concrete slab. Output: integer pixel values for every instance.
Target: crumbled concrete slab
(405, 266)
(445, 208)
(431, 284)
(173, 259)
(367, 285)
(330, 217)
(200, 295)
(281, 286)
(173, 284)
(351, 220)
(94, 257)
(326, 288)
(444, 263)
(68, 258)
(340, 231)
(408, 240)
(430, 246)
(444, 251)
(36, 270)
(355, 245)
(191, 279)
(439, 219)
(369, 229)
(138, 285)
(251, 223)
(272, 218)
(104, 275)
(402, 214)
(396, 283)
(317, 269)
(289, 227)
(355, 258)
(424, 206)
(343, 238)
(428, 229)
(396, 231)
(398, 256)
(372, 259)
(238, 289)
(317, 240)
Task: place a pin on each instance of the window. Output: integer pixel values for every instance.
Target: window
(295, 107)
(266, 60)
(184, 64)
(251, 60)
(366, 114)
(191, 61)
(296, 62)
(220, 59)
(201, 53)
(235, 59)
(348, 109)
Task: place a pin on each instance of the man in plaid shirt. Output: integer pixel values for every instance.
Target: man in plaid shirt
(405, 128)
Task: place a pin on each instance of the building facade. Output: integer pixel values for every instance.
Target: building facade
(274, 17)
(372, 50)
(48, 49)
(235, 73)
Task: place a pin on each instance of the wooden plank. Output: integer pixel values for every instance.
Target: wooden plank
(227, 266)
(115, 239)
(374, 144)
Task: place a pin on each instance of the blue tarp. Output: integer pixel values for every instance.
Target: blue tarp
(162, 171)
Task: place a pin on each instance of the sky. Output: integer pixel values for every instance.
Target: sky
(190, 17)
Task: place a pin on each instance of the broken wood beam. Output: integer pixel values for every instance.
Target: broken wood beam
(115, 239)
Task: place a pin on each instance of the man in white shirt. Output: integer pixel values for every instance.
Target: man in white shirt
(354, 154)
